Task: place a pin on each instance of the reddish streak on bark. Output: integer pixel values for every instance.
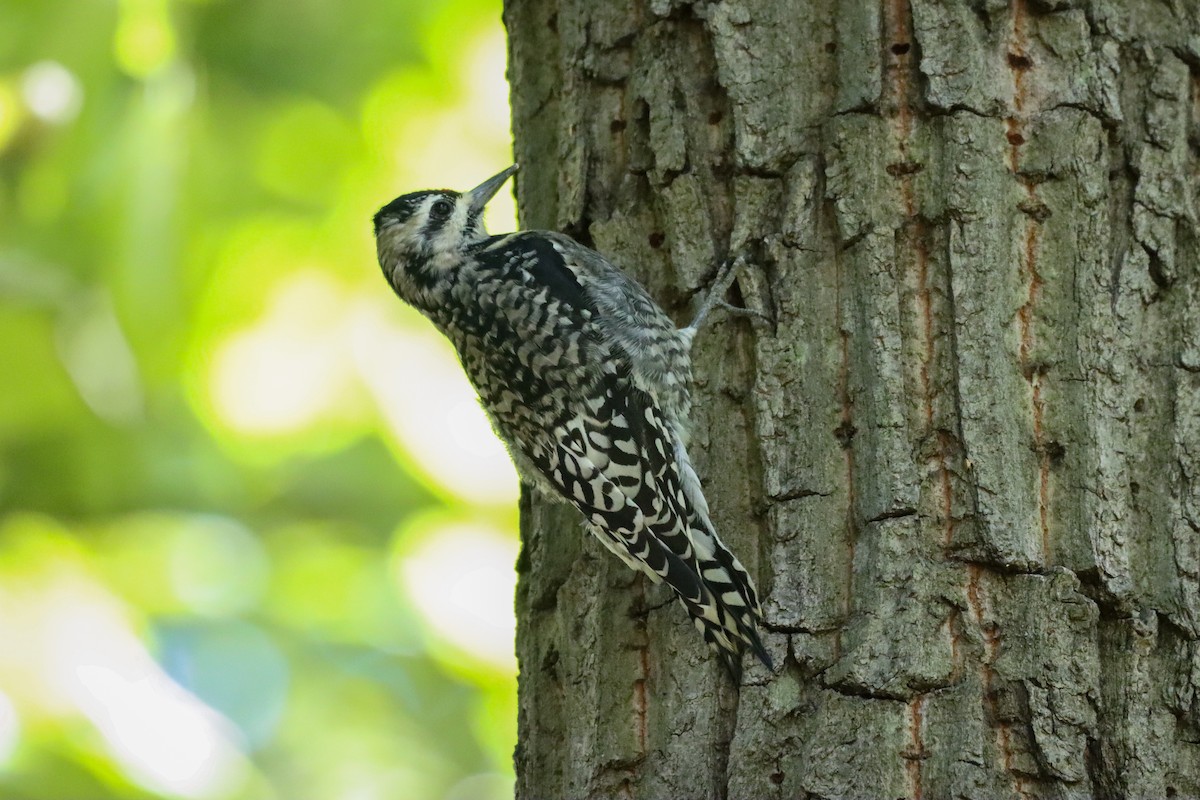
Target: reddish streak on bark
(916, 752)
(847, 424)
(991, 650)
(897, 15)
(1019, 64)
(639, 706)
(925, 300)
(845, 434)
(639, 684)
(1016, 136)
(1033, 374)
(1019, 54)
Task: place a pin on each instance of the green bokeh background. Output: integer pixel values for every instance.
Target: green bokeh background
(256, 540)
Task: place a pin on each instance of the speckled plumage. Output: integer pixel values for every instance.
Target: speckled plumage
(586, 380)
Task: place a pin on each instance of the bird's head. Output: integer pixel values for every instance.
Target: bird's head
(420, 235)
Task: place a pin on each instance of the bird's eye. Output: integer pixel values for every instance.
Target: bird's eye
(441, 209)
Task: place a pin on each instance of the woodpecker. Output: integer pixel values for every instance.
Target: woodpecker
(588, 383)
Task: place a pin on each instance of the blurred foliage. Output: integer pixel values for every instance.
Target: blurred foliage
(256, 540)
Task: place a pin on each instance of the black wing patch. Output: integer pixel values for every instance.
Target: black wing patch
(538, 257)
(547, 267)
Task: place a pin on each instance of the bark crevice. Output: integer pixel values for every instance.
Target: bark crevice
(962, 458)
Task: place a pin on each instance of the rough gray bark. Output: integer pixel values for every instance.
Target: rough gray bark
(964, 462)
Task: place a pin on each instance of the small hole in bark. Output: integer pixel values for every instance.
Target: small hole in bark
(657, 239)
(1035, 368)
(1018, 61)
(1055, 452)
(552, 23)
(617, 125)
(900, 48)
(715, 117)
(902, 168)
(580, 231)
(1134, 488)
(776, 778)
(1036, 209)
(844, 433)
(1172, 791)
(1139, 404)
(831, 47)
(1015, 138)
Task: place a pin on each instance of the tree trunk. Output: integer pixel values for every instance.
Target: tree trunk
(963, 461)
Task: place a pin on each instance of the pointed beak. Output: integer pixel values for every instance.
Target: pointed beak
(485, 191)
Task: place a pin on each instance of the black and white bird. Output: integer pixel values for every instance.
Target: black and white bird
(588, 383)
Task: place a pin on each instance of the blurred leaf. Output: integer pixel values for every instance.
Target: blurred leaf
(205, 399)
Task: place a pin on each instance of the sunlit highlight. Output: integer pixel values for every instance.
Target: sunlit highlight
(485, 81)
(52, 92)
(78, 655)
(10, 729)
(462, 579)
(488, 90)
(283, 373)
(165, 738)
(430, 407)
(144, 41)
(453, 145)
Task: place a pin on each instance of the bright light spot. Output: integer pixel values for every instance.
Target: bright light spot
(471, 430)
(217, 567)
(455, 144)
(51, 92)
(285, 372)
(483, 76)
(78, 655)
(164, 738)
(462, 580)
(100, 360)
(144, 41)
(442, 163)
(268, 382)
(10, 729)
(167, 740)
(431, 408)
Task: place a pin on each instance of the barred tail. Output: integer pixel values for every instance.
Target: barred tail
(626, 469)
(708, 581)
(740, 614)
(735, 627)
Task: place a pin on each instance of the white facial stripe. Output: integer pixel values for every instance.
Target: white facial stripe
(420, 240)
(442, 243)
